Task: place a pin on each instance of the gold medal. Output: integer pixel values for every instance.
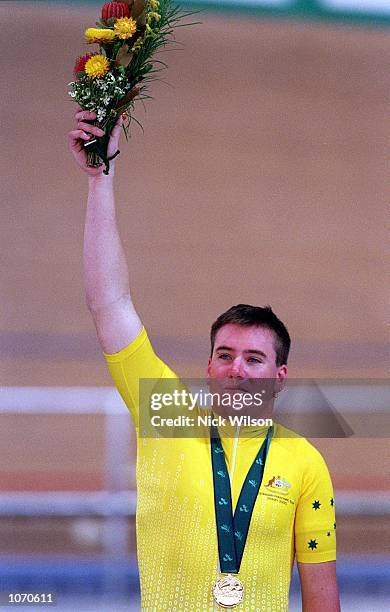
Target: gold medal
(228, 591)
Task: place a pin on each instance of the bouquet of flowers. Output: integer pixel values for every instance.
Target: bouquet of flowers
(108, 81)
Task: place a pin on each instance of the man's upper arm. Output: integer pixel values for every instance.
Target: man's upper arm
(319, 587)
(315, 537)
(117, 325)
(315, 523)
(134, 363)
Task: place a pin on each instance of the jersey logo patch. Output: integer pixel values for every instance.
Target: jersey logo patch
(278, 483)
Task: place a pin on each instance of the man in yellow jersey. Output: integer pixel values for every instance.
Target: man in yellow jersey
(193, 552)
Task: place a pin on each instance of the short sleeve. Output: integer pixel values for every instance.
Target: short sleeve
(135, 362)
(315, 522)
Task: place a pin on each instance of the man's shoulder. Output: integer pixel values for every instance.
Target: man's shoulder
(139, 356)
(297, 446)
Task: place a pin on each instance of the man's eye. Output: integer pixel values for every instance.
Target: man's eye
(225, 356)
(254, 360)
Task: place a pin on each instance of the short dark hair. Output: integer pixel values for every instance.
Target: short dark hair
(260, 316)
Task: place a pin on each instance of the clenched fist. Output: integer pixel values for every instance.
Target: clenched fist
(84, 133)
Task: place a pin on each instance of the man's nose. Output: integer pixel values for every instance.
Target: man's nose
(236, 368)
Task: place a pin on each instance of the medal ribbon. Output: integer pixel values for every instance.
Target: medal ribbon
(232, 530)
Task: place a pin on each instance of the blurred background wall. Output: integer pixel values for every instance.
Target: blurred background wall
(259, 178)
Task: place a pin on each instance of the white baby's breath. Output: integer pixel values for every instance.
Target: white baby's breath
(100, 93)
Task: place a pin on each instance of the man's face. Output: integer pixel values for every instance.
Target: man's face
(241, 353)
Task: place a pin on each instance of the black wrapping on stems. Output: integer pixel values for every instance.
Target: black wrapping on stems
(99, 146)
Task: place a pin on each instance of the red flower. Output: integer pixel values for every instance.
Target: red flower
(116, 10)
(81, 61)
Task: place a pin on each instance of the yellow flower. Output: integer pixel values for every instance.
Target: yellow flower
(137, 45)
(125, 27)
(152, 15)
(149, 32)
(99, 35)
(97, 66)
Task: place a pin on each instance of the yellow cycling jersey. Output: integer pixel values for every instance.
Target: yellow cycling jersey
(177, 544)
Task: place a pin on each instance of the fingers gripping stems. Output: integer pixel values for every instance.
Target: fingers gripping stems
(98, 147)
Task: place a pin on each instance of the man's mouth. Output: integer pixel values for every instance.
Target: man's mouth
(241, 388)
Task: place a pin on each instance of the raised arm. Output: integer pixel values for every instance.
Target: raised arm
(105, 268)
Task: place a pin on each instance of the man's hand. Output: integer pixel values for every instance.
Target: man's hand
(84, 133)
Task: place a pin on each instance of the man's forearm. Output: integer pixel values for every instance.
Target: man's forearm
(105, 266)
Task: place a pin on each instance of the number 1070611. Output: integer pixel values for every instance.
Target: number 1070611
(27, 598)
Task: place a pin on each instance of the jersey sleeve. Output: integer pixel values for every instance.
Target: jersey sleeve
(135, 362)
(315, 523)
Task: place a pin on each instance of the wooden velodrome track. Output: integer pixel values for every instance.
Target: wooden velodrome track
(259, 178)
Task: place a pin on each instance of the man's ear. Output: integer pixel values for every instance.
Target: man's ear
(281, 378)
(208, 368)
